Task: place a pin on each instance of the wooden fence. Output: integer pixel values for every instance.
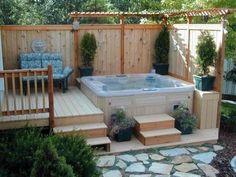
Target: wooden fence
(229, 87)
(130, 50)
(27, 99)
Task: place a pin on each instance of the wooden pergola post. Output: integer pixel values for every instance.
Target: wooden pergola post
(76, 50)
(122, 44)
(189, 21)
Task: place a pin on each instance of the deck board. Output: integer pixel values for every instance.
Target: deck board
(70, 104)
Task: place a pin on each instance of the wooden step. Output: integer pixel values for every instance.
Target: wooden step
(100, 141)
(154, 122)
(159, 136)
(88, 130)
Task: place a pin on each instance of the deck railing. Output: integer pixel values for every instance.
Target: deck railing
(21, 92)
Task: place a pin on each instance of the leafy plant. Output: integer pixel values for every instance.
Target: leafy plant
(88, 48)
(162, 46)
(206, 52)
(184, 117)
(48, 163)
(120, 121)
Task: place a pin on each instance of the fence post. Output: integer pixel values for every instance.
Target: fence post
(50, 97)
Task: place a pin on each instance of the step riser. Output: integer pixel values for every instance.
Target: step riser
(160, 139)
(155, 126)
(94, 133)
(99, 118)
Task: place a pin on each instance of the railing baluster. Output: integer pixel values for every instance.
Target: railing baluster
(36, 91)
(6, 92)
(43, 90)
(28, 92)
(21, 93)
(14, 91)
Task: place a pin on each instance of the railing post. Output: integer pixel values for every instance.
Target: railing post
(50, 97)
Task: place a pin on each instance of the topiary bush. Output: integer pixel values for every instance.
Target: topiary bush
(88, 49)
(162, 46)
(206, 52)
(48, 163)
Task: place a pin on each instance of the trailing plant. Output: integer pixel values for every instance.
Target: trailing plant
(120, 121)
(206, 52)
(162, 46)
(48, 163)
(184, 117)
(88, 49)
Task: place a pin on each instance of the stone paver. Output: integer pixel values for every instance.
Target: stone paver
(142, 157)
(162, 176)
(208, 169)
(136, 168)
(203, 148)
(156, 157)
(193, 150)
(121, 164)
(205, 157)
(161, 168)
(141, 175)
(233, 163)
(174, 152)
(106, 161)
(218, 147)
(181, 174)
(186, 167)
(181, 159)
(127, 158)
(113, 173)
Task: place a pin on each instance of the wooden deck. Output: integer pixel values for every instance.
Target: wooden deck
(68, 107)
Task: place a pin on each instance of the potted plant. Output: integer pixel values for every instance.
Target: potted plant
(121, 127)
(206, 54)
(88, 51)
(184, 120)
(162, 46)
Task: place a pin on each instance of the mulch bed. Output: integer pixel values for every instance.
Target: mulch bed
(223, 158)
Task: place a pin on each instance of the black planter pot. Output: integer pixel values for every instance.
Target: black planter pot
(204, 83)
(86, 71)
(124, 135)
(184, 131)
(161, 68)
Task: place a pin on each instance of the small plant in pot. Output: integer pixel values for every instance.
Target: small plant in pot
(162, 46)
(184, 120)
(121, 127)
(88, 51)
(206, 54)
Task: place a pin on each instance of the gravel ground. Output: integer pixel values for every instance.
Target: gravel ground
(223, 158)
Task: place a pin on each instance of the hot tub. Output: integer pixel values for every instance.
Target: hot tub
(139, 94)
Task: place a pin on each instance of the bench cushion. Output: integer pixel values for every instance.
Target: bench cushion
(54, 59)
(30, 60)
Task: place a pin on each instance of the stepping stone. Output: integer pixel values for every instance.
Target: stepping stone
(127, 158)
(143, 175)
(186, 167)
(181, 174)
(160, 168)
(142, 157)
(156, 157)
(192, 150)
(106, 161)
(182, 159)
(136, 168)
(174, 152)
(203, 148)
(205, 157)
(162, 176)
(113, 173)
(146, 162)
(121, 164)
(233, 163)
(218, 147)
(208, 169)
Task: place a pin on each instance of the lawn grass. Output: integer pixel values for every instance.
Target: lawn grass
(228, 109)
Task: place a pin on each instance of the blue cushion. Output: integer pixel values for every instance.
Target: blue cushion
(54, 59)
(30, 60)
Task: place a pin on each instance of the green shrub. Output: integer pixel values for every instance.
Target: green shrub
(162, 46)
(77, 153)
(206, 52)
(48, 163)
(88, 48)
(228, 118)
